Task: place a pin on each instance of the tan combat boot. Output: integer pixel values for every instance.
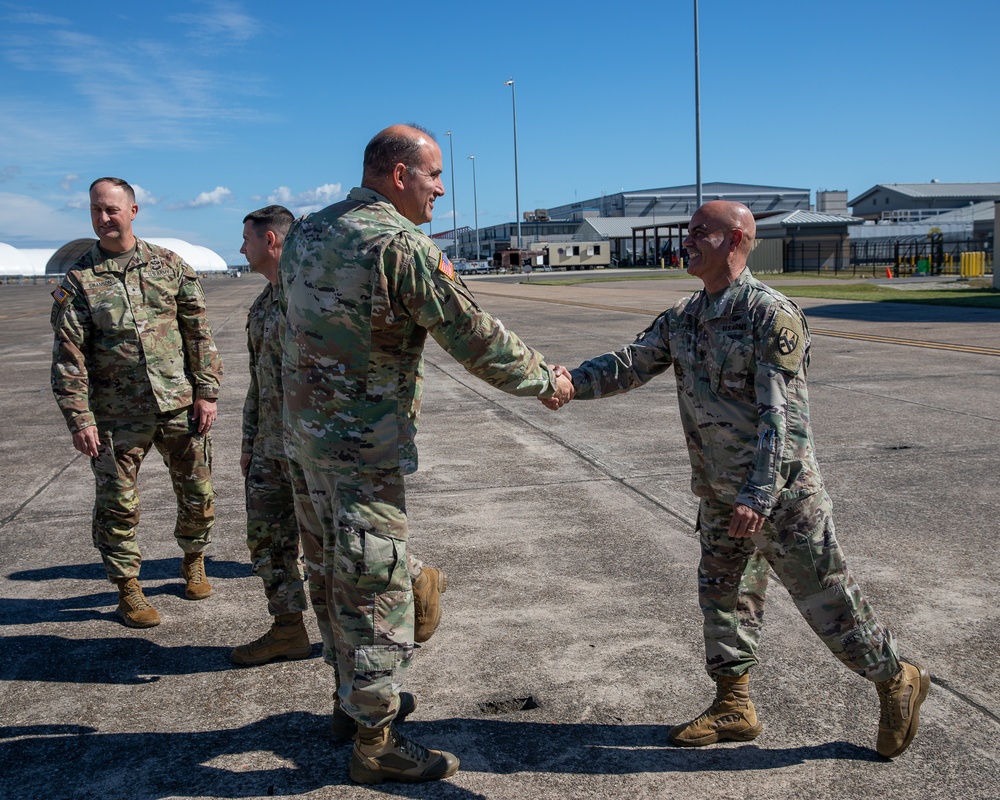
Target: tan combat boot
(731, 716)
(427, 591)
(133, 607)
(344, 727)
(193, 571)
(381, 754)
(900, 698)
(287, 638)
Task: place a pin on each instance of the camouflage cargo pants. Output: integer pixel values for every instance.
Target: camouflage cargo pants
(354, 540)
(799, 542)
(188, 457)
(273, 535)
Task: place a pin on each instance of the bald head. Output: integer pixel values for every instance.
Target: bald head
(397, 144)
(720, 237)
(733, 216)
(403, 163)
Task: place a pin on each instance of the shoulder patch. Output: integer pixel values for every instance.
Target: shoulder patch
(60, 295)
(446, 267)
(786, 342)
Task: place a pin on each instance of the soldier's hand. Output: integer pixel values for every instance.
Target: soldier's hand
(204, 414)
(745, 522)
(245, 463)
(565, 390)
(87, 441)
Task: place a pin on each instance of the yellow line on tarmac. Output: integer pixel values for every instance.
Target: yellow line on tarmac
(863, 337)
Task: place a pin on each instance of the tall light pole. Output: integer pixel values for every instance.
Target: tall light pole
(697, 107)
(475, 203)
(454, 215)
(517, 193)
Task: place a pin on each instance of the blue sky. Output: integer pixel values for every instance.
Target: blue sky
(216, 108)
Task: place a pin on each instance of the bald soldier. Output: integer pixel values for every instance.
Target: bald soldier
(363, 287)
(740, 351)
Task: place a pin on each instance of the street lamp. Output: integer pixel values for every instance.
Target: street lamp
(517, 194)
(697, 107)
(475, 203)
(454, 215)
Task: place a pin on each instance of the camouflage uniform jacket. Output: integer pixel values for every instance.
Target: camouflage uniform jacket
(740, 364)
(362, 287)
(131, 342)
(262, 426)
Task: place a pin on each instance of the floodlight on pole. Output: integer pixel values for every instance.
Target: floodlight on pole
(475, 203)
(454, 214)
(517, 194)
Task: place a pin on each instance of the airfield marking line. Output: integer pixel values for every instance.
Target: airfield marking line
(863, 337)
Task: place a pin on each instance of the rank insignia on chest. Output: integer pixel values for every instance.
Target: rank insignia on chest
(788, 340)
(446, 267)
(60, 295)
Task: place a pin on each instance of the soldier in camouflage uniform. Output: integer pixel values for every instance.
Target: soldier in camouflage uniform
(134, 366)
(363, 287)
(272, 533)
(740, 351)
(272, 530)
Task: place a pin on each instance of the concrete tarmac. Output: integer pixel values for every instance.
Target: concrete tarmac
(571, 638)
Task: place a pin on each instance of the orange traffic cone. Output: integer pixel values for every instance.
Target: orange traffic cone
(888, 272)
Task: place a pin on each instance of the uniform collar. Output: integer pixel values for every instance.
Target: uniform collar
(142, 255)
(723, 305)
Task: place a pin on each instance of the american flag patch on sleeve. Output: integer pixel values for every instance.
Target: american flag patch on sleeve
(445, 266)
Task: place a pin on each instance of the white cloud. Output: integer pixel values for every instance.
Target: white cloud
(216, 197)
(224, 21)
(308, 201)
(66, 184)
(172, 89)
(144, 198)
(28, 222)
(35, 18)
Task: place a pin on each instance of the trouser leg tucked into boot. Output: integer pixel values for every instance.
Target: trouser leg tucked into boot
(193, 571)
(731, 716)
(287, 638)
(900, 698)
(133, 607)
(344, 727)
(382, 754)
(427, 591)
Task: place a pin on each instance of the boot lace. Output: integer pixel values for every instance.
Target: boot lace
(196, 571)
(136, 599)
(887, 706)
(409, 748)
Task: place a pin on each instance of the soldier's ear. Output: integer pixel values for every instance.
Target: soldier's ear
(399, 176)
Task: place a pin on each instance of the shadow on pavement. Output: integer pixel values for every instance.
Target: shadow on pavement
(291, 754)
(901, 311)
(153, 569)
(116, 660)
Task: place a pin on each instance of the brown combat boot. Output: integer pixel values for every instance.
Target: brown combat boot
(193, 571)
(133, 607)
(344, 727)
(427, 591)
(381, 754)
(287, 638)
(731, 716)
(900, 698)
